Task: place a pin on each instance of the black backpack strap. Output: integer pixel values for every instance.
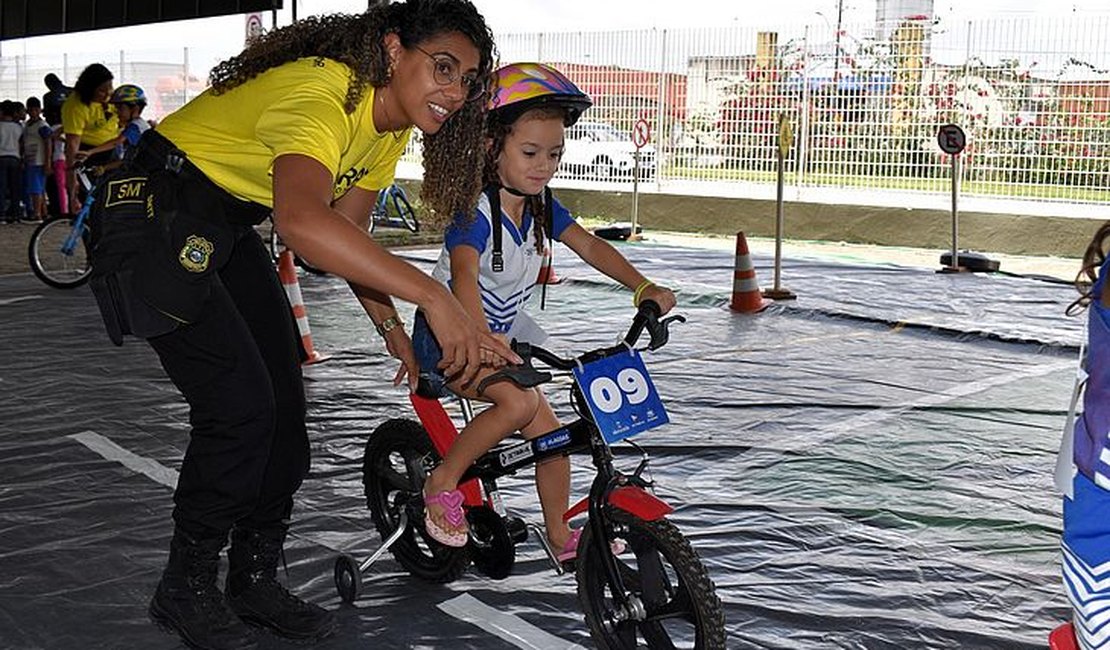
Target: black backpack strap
(493, 193)
(548, 228)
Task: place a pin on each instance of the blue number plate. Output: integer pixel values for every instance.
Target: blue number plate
(621, 396)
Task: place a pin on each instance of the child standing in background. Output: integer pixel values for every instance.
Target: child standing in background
(36, 151)
(10, 155)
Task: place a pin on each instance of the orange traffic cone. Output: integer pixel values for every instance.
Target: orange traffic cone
(1063, 638)
(287, 272)
(547, 272)
(746, 296)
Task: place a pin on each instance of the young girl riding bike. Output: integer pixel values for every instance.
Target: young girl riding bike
(490, 260)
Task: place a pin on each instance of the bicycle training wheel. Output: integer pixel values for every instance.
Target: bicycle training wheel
(678, 604)
(404, 209)
(52, 261)
(393, 478)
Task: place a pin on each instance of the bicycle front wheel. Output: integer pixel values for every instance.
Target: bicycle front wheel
(55, 259)
(674, 603)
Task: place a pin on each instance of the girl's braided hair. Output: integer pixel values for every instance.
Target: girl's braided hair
(450, 185)
(496, 134)
(1088, 273)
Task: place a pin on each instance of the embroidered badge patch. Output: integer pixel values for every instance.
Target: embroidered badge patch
(195, 254)
(125, 190)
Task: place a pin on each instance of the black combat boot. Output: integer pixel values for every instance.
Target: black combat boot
(259, 599)
(188, 602)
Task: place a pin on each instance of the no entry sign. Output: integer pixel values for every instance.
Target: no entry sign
(641, 133)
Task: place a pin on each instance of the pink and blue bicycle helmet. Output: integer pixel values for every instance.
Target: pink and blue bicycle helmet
(523, 86)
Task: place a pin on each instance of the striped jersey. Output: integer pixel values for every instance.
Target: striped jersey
(503, 293)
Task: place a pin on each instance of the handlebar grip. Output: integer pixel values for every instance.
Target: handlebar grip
(650, 308)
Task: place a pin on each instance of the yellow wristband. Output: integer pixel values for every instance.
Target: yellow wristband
(387, 325)
(639, 291)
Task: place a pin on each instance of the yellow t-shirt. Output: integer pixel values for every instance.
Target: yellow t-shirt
(88, 121)
(294, 108)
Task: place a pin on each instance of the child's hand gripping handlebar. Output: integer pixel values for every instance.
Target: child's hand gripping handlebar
(525, 375)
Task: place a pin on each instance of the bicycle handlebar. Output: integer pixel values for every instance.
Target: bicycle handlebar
(525, 375)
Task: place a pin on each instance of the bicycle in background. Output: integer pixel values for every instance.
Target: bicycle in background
(58, 251)
(393, 210)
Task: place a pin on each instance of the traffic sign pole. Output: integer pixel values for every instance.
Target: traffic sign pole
(786, 140)
(952, 141)
(641, 133)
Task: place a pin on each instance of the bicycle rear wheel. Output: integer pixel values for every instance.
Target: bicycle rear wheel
(49, 258)
(393, 480)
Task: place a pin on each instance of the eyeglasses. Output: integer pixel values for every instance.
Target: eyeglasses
(445, 71)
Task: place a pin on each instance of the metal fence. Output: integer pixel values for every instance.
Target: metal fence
(864, 105)
(165, 75)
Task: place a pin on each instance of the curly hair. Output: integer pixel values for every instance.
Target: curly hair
(358, 41)
(496, 134)
(92, 77)
(1093, 259)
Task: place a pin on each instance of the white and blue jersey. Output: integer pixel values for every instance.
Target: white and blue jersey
(1086, 537)
(504, 292)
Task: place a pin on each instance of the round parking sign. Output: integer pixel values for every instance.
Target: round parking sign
(951, 139)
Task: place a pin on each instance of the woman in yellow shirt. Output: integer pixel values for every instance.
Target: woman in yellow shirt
(307, 123)
(88, 121)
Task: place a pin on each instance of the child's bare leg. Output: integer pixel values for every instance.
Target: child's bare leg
(552, 479)
(512, 409)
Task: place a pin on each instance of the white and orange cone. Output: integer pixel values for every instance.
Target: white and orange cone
(287, 273)
(746, 296)
(547, 271)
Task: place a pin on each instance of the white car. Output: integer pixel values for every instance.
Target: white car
(601, 151)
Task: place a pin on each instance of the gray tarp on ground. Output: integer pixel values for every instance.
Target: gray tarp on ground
(852, 482)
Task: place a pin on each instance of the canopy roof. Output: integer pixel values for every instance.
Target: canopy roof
(22, 18)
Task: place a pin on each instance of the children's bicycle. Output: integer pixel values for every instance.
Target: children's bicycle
(58, 251)
(393, 210)
(654, 593)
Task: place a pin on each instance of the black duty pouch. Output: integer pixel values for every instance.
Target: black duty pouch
(154, 260)
(190, 241)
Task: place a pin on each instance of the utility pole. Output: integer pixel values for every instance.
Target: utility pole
(836, 53)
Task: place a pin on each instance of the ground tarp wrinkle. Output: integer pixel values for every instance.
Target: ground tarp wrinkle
(869, 466)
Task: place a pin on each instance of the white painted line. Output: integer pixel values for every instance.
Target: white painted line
(852, 425)
(166, 476)
(153, 470)
(512, 629)
(11, 301)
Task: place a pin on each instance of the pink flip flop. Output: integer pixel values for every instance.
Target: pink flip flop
(451, 501)
(570, 549)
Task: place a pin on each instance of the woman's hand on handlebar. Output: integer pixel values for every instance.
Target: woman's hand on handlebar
(464, 343)
(661, 296)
